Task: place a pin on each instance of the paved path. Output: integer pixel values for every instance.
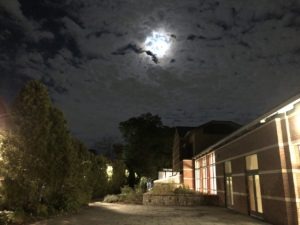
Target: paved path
(117, 214)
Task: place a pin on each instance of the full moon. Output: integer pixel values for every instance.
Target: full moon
(158, 43)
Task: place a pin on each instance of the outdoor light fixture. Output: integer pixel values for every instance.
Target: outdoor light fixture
(286, 108)
(282, 110)
(263, 121)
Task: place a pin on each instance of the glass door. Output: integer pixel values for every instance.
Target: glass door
(229, 192)
(253, 183)
(228, 185)
(255, 202)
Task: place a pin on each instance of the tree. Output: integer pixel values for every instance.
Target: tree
(46, 170)
(59, 159)
(148, 145)
(99, 178)
(27, 147)
(118, 178)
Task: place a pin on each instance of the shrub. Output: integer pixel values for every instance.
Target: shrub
(6, 217)
(183, 190)
(129, 195)
(111, 198)
(142, 185)
(161, 189)
(42, 210)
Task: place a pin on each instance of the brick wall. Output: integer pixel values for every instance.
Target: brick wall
(176, 153)
(277, 187)
(188, 174)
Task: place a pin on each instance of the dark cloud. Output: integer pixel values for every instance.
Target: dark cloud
(91, 55)
(134, 48)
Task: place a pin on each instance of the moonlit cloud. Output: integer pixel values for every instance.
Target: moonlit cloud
(227, 60)
(158, 43)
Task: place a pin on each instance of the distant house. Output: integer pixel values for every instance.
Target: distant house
(189, 141)
(256, 169)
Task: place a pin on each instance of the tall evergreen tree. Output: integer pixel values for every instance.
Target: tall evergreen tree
(27, 153)
(46, 170)
(59, 158)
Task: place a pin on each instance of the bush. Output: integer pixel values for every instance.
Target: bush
(111, 198)
(142, 186)
(183, 190)
(6, 217)
(162, 189)
(42, 210)
(131, 196)
(128, 195)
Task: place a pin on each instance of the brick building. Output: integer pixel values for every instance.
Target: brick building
(189, 141)
(256, 169)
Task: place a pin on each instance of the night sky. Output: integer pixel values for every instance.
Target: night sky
(227, 59)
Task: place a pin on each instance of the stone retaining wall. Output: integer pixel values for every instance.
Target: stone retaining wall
(179, 199)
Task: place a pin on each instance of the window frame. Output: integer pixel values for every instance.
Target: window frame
(205, 174)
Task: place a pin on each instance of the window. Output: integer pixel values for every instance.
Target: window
(228, 183)
(297, 151)
(228, 167)
(251, 162)
(205, 174)
(254, 189)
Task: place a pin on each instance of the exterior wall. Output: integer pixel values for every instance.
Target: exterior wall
(276, 145)
(176, 153)
(188, 174)
(202, 141)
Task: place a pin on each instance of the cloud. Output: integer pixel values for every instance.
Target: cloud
(13, 7)
(134, 48)
(225, 60)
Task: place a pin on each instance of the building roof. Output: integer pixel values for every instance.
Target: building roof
(282, 108)
(219, 127)
(183, 130)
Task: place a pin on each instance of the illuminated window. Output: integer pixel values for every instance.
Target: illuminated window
(205, 174)
(251, 162)
(297, 153)
(229, 186)
(253, 182)
(228, 167)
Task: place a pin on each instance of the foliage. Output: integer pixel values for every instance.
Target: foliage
(111, 198)
(148, 145)
(165, 188)
(26, 150)
(142, 185)
(6, 217)
(183, 190)
(170, 188)
(128, 195)
(99, 177)
(46, 170)
(118, 177)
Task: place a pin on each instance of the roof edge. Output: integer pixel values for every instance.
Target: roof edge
(260, 120)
